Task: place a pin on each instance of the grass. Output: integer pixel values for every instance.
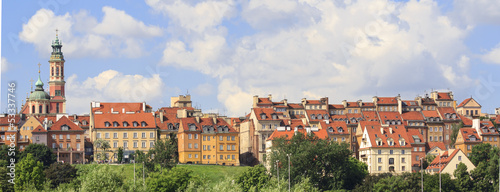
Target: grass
(213, 173)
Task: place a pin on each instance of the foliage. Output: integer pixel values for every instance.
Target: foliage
(28, 170)
(104, 146)
(370, 181)
(4, 178)
(463, 180)
(165, 152)
(120, 154)
(41, 153)
(428, 160)
(404, 182)
(480, 153)
(145, 164)
(59, 173)
(175, 179)
(253, 177)
(5, 150)
(327, 164)
(454, 132)
(431, 182)
(102, 178)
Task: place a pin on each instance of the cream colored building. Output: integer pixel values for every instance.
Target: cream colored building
(448, 162)
(469, 108)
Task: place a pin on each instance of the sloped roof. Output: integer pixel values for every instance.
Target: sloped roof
(444, 96)
(464, 102)
(398, 132)
(439, 145)
(430, 114)
(321, 133)
(441, 161)
(414, 134)
(467, 133)
(65, 121)
(39, 129)
(267, 111)
(389, 115)
(370, 115)
(295, 106)
(333, 127)
(413, 116)
(148, 118)
(387, 101)
(336, 106)
(467, 122)
(106, 107)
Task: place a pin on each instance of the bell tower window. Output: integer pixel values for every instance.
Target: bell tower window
(57, 107)
(57, 71)
(58, 92)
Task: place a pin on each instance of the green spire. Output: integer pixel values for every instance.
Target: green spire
(39, 83)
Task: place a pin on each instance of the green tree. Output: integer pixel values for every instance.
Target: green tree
(104, 146)
(4, 178)
(59, 173)
(29, 171)
(165, 152)
(480, 153)
(404, 182)
(428, 160)
(481, 178)
(463, 179)
(102, 178)
(255, 177)
(370, 181)
(41, 153)
(327, 164)
(6, 153)
(454, 132)
(120, 154)
(175, 179)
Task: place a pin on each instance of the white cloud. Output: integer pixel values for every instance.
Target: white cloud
(82, 35)
(5, 65)
(112, 86)
(473, 12)
(493, 56)
(204, 89)
(329, 48)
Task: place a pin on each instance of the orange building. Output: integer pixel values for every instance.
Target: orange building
(66, 138)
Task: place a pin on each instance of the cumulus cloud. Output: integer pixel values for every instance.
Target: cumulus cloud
(344, 50)
(493, 56)
(83, 35)
(473, 12)
(112, 86)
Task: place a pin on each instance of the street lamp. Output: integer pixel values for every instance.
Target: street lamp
(421, 172)
(288, 155)
(278, 172)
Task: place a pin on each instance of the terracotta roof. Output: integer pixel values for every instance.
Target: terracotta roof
(414, 134)
(295, 106)
(5, 120)
(368, 104)
(413, 116)
(267, 111)
(467, 133)
(106, 107)
(313, 102)
(497, 120)
(441, 161)
(333, 127)
(464, 102)
(321, 133)
(487, 128)
(467, 122)
(352, 104)
(264, 100)
(294, 123)
(444, 96)
(428, 101)
(148, 118)
(369, 124)
(169, 117)
(410, 103)
(387, 101)
(370, 115)
(65, 121)
(39, 129)
(338, 117)
(386, 115)
(439, 145)
(447, 110)
(80, 119)
(219, 122)
(398, 132)
(185, 122)
(430, 114)
(336, 106)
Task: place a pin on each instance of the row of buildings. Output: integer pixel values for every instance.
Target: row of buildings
(387, 133)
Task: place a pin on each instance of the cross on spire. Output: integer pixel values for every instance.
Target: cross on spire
(57, 30)
(39, 68)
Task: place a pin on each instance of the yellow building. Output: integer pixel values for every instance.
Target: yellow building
(469, 108)
(189, 141)
(25, 136)
(130, 126)
(466, 139)
(448, 161)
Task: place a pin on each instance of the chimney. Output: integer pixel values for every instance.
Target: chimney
(161, 116)
(295, 130)
(214, 120)
(390, 130)
(197, 119)
(375, 99)
(344, 103)
(308, 130)
(382, 130)
(270, 97)
(74, 116)
(123, 110)
(111, 109)
(255, 101)
(285, 102)
(143, 106)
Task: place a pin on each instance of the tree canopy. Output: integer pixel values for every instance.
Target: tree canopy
(41, 153)
(29, 172)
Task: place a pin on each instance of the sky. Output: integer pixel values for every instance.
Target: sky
(224, 52)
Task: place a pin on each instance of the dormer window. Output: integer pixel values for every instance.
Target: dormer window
(84, 122)
(263, 116)
(379, 141)
(107, 124)
(275, 116)
(170, 126)
(340, 129)
(402, 142)
(313, 116)
(176, 126)
(472, 138)
(325, 116)
(125, 124)
(192, 127)
(454, 116)
(143, 124)
(135, 124)
(115, 124)
(330, 129)
(320, 117)
(390, 142)
(447, 115)
(64, 128)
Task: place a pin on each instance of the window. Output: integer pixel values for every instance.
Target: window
(233, 147)
(420, 148)
(403, 160)
(391, 152)
(228, 138)
(232, 157)
(447, 137)
(208, 138)
(205, 138)
(54, 136)
(78, 146)
(440, 128)
(135, 135)
(208, 147)
(115, 135)
(152, 135)
(143, 135)
(115, 124)
(135, 124)
(190, 146)
(60, 145)
(195, 155)
(195, 136)
(403, 168)
(151, 144)
(125, 135)
(391, 161)
(379, 151)
(417, 158)
(125, 144)
(106, 124)
(208, 156)
(430, 138)
(229, 156)
(144, 144)
(53, 145)
(143, 124)
(221, 157)
(106, 135)
(468, 147)
(220, 138)
(233, 138)
(196, 145)
(189, 156)
(204, 157)
(60, 137)
(204, 147)
(229, 147)
(115, 144)
(460, 158)
(98, 135)
(125, 124)
(135, 144)
(440, 138)
(402, 152)
(379, 160)
(379, 168)
(221, 147)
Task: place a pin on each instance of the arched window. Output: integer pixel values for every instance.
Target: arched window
(275, 116)
(135, 123)
(106, 124)
(125, 124)
(378, 140)
(340, 129)
(320, 117)
(115, 124)
(263, 116)
(192, 127)
(57, 71)
(399, 122)
(313, 116)
(330, 129)
(52, 71)
(40, 110)
(390, 142)
(170, 126)
(84, 122)
(176, 126)
(143, 124)
(325, 116)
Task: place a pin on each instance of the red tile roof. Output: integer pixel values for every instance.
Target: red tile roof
(5, 120)
(497, 120)
(219, 122)
(464, 102)
(370, 115)
(467, 133)
(65, 121)
(294, 123)
(413, 116)
(336, 106)
(386, 115)
(169, 117)
(444, 96)
(387, 100)
(267, 111)
(295, 106)
(39, 129)
(264, 100)
(148, 118)
(185, 122)
(352, 104)
(414, 133)
(321, 134)
(431, 114)
(338, 117)
(398, 132)
(333, 127)
(368, 104)
(410, 103)
(467, 122)
(313, 102)
(441, 161)
(439, 145)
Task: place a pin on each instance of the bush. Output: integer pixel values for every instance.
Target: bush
(102, 179)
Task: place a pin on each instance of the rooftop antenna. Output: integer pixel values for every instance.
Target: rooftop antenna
(187, 92)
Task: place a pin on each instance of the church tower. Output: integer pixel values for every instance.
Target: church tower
(57, 83)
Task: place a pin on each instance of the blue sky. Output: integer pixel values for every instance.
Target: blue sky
(224, 52)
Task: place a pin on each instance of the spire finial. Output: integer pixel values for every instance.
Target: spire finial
(39, 69)
(31, 81)
(57, 30)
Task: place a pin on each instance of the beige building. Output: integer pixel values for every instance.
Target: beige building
(448, 162)
(469, 108)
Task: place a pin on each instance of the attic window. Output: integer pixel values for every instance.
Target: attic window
(125, 124)
(472, 138)
(106, 124)
(115, 124)
(379, 142)
(390, 142)
(64, 128)
(84, 122)
(263, 116)
(340, 129)
(319, 116)
(143, 124)
(135, 123)
(325, 116)
(402, 142)
(330, 129)
(170, 126)
(313, 116)
(275, 116)
(192, 127)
